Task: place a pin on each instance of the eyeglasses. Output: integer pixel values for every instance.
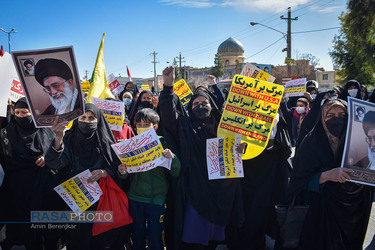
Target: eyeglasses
(369, 139)
(54, 85)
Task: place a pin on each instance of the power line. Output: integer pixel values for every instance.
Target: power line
(309, 11)
(244, 33)
(266, 47)
(278, 48)
(308, 31)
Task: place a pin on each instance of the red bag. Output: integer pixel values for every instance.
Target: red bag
(115, 200)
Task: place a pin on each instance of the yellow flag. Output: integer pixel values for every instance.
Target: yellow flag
(99, 85)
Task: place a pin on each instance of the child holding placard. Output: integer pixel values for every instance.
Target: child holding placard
(148, 190)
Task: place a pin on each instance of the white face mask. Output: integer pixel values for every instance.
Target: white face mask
(313, 96)
(353, 92)
(301, 110)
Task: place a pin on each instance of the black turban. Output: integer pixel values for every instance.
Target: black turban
(368, 121)
(27, 62)
(360, 109)
(52, 67)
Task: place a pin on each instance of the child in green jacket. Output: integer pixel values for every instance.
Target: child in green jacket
(148, 190)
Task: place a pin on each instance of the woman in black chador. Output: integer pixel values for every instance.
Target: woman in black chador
(339, 210)
(264, 185)
(87, 145)
(27, 184)
(203, 207)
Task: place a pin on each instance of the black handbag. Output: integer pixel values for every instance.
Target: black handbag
(290, 221)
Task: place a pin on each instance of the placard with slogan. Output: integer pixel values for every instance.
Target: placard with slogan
(250, 110)
(142, 152)
(145, 87)
(112, 111)
(77, 193)
(85, 86)
(252, 71)
(182, 90)
(16, 90)
(114, 85)
(295, 87)
(222, 159)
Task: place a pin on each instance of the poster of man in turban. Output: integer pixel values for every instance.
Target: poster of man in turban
(359, 150)
(55, 89)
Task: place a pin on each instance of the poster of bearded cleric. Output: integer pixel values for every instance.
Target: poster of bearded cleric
(51, 84)
(359, 152)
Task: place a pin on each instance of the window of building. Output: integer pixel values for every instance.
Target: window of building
(226, 62)
(325, 76)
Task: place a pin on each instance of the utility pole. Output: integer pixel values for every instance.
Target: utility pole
(289, 38)
(155, 62)
(180, 59)
(86, 74)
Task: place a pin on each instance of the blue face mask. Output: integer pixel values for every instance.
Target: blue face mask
(127, 101)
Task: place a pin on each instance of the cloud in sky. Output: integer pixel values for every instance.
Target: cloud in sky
(269, 6)
(243, 5)
(328, 9)
(190, 3)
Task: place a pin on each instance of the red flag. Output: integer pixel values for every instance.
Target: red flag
(1, 51)
(129, 76)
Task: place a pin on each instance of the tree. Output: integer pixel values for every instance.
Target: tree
(218, 69)
(304, 67)
(354, 47)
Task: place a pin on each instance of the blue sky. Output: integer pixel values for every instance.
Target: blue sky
(134, 29)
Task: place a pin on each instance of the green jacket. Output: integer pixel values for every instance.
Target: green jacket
(152, 186)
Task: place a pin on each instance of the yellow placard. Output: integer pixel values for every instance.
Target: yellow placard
(250, 70)
(85, 86)
(250, 110)
(145, 87)
(140, 153)
(112, 111)
(289, 61)
(295, 87)
(182, 90)
(73, 190)
(148, 156)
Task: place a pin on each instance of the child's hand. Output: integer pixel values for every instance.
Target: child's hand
(122, 169)
(241, 148)
(167, 154)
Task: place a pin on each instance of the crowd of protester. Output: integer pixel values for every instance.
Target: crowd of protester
(181, 208)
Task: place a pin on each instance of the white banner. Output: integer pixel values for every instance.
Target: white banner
(114, 85)
(7, 74)
(223, 161)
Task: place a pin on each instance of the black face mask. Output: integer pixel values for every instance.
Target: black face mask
(87, 128)
(146, 104)
(336, 126)
(24, 122)
(201, 111)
